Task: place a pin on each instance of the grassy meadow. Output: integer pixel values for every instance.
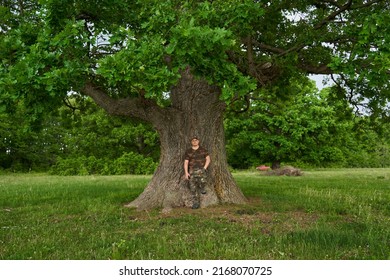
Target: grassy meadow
(324, 214)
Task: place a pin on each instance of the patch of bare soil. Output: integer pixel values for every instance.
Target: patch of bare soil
(248, 216)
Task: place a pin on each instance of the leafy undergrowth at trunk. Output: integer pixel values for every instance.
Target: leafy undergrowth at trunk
(329, 214)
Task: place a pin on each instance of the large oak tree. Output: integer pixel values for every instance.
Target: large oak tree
(179, 64)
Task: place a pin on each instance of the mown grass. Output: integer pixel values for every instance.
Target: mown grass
(327, 214)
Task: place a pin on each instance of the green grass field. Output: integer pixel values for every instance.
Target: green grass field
(325, 214)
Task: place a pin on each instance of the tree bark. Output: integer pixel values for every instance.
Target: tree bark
(195, 110)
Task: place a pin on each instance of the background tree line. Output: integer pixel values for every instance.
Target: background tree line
(77, 139)
(291, 124)
(297, 124)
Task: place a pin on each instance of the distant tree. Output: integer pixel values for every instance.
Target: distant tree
(175, 64)
(75, 130)
(26, 145)
(90, 131)
(303, 126)
(371, 145)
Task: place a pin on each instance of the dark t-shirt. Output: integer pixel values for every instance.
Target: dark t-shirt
(196, 158)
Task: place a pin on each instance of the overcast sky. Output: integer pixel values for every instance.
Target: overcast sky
(319, 81)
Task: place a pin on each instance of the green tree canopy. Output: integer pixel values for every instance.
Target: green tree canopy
(134, 48)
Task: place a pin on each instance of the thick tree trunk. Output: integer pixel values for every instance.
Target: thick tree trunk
(196, 110)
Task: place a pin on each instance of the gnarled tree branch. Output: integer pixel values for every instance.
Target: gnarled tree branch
(333, 15)
(136, 107)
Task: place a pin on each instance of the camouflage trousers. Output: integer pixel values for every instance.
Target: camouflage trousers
(198, 179)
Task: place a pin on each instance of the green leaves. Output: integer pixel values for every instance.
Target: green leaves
(140, 65)
(202, 47)
(133, 47)
(44, 70)
(173, 38)
(237, 85)
(303, 126)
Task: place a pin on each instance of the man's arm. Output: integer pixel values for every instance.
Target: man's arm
(207, 162)
(186, 174)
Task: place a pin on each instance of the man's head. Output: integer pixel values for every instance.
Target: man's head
(194, 140)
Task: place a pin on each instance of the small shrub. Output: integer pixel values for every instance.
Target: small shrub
(132, 163)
